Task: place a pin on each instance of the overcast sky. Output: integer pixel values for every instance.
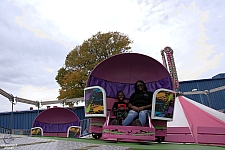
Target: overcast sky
(36, 36)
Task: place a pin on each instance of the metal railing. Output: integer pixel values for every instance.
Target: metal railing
(21, 132)
(5, 130)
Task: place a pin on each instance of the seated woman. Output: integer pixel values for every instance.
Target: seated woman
(120, 109)
(140, 104)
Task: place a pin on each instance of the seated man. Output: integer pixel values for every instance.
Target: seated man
(120, 109)
(140, 104)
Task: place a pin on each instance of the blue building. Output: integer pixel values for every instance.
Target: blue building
(215, 100)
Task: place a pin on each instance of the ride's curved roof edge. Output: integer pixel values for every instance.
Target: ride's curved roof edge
(57, 115)
(130, 67)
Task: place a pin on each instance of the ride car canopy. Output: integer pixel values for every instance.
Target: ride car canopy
(120, 72)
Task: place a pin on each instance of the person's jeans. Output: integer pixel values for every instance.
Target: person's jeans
(121, 115)
(133, 114)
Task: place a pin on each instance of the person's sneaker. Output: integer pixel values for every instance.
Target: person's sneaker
(114, 122)
(137, 122)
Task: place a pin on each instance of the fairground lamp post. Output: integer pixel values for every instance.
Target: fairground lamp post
(194, 90)
(208, 98)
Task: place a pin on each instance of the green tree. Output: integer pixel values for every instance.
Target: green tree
(83, 58)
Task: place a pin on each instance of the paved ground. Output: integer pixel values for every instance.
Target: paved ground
(33, 143)
(152, 145)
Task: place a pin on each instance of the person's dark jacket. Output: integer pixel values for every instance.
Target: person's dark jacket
(141, 98)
